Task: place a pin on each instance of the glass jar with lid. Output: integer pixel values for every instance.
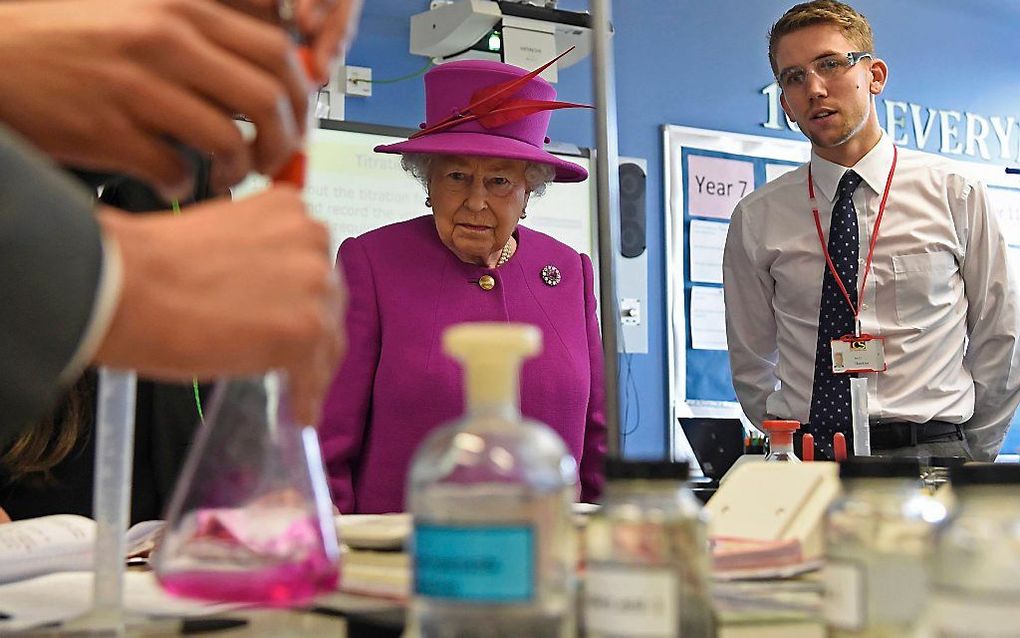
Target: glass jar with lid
(647, 567)
(493, 544)
(780, 434)
(976, 569)
(880, 535)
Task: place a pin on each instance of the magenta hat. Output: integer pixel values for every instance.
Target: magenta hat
(488, 109)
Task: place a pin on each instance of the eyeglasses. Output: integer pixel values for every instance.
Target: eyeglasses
(831, 66)
(461, 183)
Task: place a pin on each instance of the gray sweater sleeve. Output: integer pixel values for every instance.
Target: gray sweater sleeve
(51, 258)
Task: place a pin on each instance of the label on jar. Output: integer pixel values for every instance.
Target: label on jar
(845, 601)
(629, 601)
(485, 564)
(959, 614)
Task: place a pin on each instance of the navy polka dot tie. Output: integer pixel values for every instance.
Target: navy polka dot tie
(830, 393)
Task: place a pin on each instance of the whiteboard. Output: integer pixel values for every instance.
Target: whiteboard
(352, 189)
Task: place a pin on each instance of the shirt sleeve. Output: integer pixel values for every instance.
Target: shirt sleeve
(107, 297)
(591, 471)
(348, 405)
(993, 324)
(750, 322)
(58, 286)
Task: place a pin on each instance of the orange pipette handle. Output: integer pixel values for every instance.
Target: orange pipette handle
(808, 447)
(293, 172)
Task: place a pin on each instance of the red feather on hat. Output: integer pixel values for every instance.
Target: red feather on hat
(494, 106)
(519, 109)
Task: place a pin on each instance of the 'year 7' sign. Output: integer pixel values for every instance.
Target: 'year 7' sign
(715, 185)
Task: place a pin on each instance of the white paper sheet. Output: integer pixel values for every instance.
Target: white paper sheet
(1005, 203)
(773, 171)
(1014, 261)
(708, 319)
(59, 543)
(66, 595)
(707, 242)
(48, 544)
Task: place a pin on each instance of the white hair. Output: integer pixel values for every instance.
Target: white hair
(536, 175)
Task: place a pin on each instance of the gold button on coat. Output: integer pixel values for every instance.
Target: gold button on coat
(487, 282)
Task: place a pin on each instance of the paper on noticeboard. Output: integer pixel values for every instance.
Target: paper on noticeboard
(1005, 203)
(772, 171)
(707, 242)
(1014, 261)
(708, 318)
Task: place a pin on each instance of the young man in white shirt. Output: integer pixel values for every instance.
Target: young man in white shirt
(890, 258)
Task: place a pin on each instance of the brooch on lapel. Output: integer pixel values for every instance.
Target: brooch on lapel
(551, 275)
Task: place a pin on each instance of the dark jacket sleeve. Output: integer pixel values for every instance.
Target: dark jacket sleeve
(51, 259)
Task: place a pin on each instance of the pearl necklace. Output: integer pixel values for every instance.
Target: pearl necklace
(504, 255)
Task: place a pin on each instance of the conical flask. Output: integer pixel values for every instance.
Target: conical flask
(250, 519)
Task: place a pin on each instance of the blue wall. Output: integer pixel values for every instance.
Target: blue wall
(703, 64)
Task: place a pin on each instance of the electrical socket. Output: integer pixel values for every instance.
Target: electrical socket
(358, 80)
(630, 311)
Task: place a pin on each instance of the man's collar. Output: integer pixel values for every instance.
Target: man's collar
(873, 169)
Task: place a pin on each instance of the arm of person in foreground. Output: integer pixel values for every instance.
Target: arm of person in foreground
(327, 25)
(993, 324)
(116, 85)
(229, 288)
(750, 324)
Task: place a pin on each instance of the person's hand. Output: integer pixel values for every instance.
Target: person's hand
(327, 25)
(4, 518)
(228, 288)
(111, 85)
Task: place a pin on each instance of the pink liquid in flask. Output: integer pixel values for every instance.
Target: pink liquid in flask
(282, 585)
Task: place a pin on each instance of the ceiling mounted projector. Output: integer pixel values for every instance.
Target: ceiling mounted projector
(525, 34)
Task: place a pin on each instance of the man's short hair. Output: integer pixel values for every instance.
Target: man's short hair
(853, 25)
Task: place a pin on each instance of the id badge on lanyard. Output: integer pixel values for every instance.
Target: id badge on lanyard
(855, 352)
(864, 353)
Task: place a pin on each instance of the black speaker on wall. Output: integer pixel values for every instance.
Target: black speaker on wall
(632, 209)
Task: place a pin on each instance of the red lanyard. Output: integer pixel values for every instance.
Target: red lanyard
(871, 249)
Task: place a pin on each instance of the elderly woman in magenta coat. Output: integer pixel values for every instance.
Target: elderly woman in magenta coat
(480, 158)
